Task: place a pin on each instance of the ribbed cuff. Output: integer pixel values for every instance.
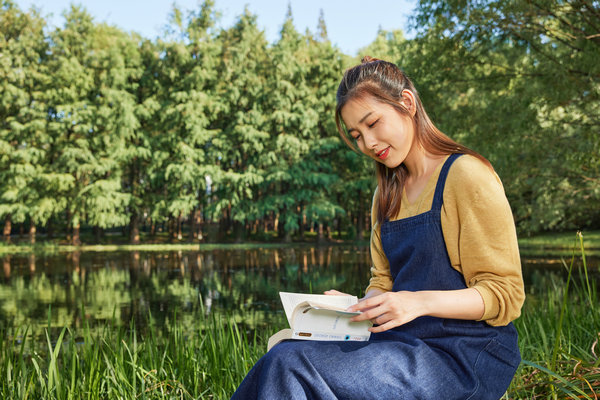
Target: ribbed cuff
(490, 303)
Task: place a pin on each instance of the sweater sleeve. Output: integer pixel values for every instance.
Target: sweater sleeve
(381, 277)
(481, 239)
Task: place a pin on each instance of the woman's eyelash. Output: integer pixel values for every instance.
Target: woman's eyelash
(373, 124)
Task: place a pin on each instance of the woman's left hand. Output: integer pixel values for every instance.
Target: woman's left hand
(390, 309)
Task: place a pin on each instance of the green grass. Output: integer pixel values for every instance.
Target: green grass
(558, 336)
(558, 332)
(206, 362)
(560, 240)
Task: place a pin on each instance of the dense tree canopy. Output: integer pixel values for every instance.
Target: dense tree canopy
(218, 133)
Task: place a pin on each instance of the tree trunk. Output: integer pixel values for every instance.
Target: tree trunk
(238, 231)
(32, 231)
(224, 224)
(6, 267)
(301, 221)
(49, 229)
(152, 229)
(98, 233)
(134, 219)
(134, 229)
(179, 223)
(193, 223)
(280, 229)
(287, 237)
(76, 237)
(69, 216)
(320, 235)
(7, 229)
(170, 229)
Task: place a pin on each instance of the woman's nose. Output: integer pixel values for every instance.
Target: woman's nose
(370, 141)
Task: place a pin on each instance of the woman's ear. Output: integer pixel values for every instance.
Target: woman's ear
(409, 102)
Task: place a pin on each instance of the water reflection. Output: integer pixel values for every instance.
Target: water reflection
(118, 287)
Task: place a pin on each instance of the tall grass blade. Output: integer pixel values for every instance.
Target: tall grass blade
(585, 270)
(567, 387)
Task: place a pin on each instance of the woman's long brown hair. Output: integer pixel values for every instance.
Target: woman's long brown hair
(385, 82)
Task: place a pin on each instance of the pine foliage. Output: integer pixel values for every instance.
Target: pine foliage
(217, 130)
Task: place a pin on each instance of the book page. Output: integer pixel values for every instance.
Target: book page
(323, 324)
(291, 300)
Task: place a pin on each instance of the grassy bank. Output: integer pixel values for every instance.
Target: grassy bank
(22, 247)
(559, 244)
(49, 249)
(548, 244)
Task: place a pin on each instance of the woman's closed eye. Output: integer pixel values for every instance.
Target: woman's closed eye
(355, 134)
(372, 124)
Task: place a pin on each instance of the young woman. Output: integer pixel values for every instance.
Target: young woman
(446, 276)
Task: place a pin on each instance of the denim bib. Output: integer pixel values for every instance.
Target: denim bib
(428, 358)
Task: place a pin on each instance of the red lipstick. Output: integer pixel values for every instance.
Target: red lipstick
(383, 153)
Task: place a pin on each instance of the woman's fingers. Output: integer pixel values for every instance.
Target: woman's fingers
(388, 310)
(367, 304)
(370, 314)
(384, 327)
(333, 292)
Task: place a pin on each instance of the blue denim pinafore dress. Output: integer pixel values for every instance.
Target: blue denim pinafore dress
(428, 358)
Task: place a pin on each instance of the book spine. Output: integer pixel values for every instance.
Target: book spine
(328, 336)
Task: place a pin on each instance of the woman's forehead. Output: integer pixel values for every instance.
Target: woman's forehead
(363, 103)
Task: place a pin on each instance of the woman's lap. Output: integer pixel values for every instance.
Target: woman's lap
(356, 370)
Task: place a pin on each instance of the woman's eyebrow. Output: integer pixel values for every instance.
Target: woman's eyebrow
(361, 121)
(365, 117)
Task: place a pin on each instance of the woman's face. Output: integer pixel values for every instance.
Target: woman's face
(380, 131)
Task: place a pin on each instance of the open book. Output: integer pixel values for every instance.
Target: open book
(320, 317)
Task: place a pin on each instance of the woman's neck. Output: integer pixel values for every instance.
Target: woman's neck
(421, 164)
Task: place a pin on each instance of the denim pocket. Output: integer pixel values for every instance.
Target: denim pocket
(503, 353)
(495, 367)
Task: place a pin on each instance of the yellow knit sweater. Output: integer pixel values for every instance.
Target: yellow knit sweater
(480, 237)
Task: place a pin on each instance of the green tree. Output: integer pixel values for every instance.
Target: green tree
(183, 148)
(115, 136)
(388, 45)
(323, 170)
(522, 78)
(290, 124)
(90, 111)
(238, 147)
(28, 188)
(140, 145)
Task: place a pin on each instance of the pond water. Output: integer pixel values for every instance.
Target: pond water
(65, 289)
